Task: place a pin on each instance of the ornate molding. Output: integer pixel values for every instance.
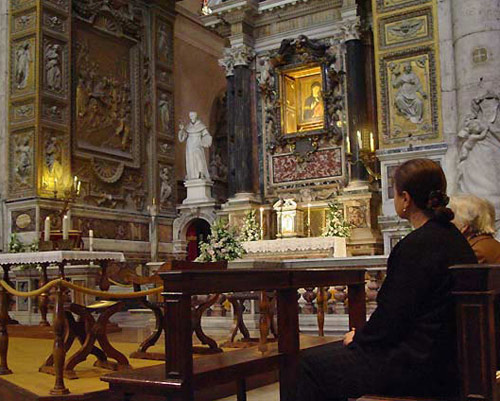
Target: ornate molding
(242, 55)
(351, 30)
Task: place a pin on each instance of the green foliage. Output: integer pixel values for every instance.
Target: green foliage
(222, 244)
(250, 230)
(15, 244)
(336, 226)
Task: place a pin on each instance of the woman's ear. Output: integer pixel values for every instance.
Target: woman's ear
(406, 198)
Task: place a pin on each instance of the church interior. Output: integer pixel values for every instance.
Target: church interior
(224, 171)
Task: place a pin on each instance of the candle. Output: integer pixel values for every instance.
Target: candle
(360, 139)
(262, 223)
(78, 187)
(46, 230)
(308, 219)
(69, 218)
(372, 142)
(154, 201)
(65, 226)
(348, 144)
(91, 240)
(75, 182)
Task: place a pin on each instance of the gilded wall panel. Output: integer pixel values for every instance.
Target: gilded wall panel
(107, 97)
(164, 42)
(55, 112)
(409, 96)
(19, 4)
(22, 66)
(55, 67)
(22, 112)
(55, 160)
(55, 22)
(405, 29)
(384, 6)
(21, 162)
(23, 22)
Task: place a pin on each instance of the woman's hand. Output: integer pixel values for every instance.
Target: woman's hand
(349, 337)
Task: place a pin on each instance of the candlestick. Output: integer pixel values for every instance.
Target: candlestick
(46, 230)
(348, 144)
(372, 142)
(308, 219)
(360, 139)
(91, 240)
(261, 223)
(65, 228)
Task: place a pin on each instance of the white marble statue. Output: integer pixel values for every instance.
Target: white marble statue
(479, 151)
(197, 139)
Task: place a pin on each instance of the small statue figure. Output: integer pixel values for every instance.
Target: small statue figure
(22, 69)
(197, 139)
(166, 188)
(407, 102)
(53, 67)
(164, 109)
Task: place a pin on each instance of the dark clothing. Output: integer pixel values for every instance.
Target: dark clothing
(486, 248)
(408, 345)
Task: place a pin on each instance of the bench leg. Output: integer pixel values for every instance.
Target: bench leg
(241, 390)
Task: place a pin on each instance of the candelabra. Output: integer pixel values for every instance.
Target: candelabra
(364, 155)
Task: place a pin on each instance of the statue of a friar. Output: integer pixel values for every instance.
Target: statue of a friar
(197, 139)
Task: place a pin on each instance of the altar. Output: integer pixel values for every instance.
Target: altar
(296, 248)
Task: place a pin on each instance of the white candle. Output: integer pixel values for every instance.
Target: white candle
(65, 227)
(75, 182)
(372, 142)
(46, 231)
(91, 240)
(78, 187)
(69, 219)
(261, 223)
(360, 139)
(308, 219)
(348, 144)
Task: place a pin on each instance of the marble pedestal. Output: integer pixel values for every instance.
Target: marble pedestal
(198, 191)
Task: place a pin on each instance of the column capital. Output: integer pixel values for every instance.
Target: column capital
(351, 30)
(235, 56)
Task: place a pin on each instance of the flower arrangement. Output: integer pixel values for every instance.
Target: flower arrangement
(223, 244)
(336, 226)
(16, 246)
(250, 230)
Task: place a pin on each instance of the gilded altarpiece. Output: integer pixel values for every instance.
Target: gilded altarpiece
(303, 117)
(91, 94)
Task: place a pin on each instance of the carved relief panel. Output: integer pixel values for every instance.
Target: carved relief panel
(21, 162)
(22, 67)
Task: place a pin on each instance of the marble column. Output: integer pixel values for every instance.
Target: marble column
(357, 104)
(237, 62)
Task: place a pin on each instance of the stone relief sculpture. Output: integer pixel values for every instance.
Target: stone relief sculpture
(479, 150)
(23, 155)
(164, 42)
(166, 187)
(22, 65)
(197, 139)
(53, 153)
(218, 170)
(408, 86)
(164, 111)
(53, 67)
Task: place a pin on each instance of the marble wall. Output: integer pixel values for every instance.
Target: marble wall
(3, 109)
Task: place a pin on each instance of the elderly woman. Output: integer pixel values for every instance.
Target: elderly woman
(475, 218)
(408, 345)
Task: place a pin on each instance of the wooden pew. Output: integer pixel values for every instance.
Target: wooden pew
(181, 376)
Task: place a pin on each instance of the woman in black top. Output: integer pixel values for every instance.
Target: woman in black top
(408, 345)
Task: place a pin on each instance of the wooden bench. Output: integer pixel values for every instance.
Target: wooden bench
(180, 375)
(476, 289)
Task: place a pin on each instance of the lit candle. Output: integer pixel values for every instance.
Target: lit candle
(372, 142)
(75, 182)
(91, 240)
(360, 139)
(262, 223)
(65, 226)
(78, 187)
(348, 144)
(308, 219)
(46, 230)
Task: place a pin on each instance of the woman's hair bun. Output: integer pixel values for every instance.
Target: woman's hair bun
(437, 199)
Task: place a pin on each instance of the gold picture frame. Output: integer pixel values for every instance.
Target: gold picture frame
(302, 103)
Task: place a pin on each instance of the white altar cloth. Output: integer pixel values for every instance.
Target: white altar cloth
(26, 258)
(336, 245)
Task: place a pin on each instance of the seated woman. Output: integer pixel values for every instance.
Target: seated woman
(408, 345)
(475, 218)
